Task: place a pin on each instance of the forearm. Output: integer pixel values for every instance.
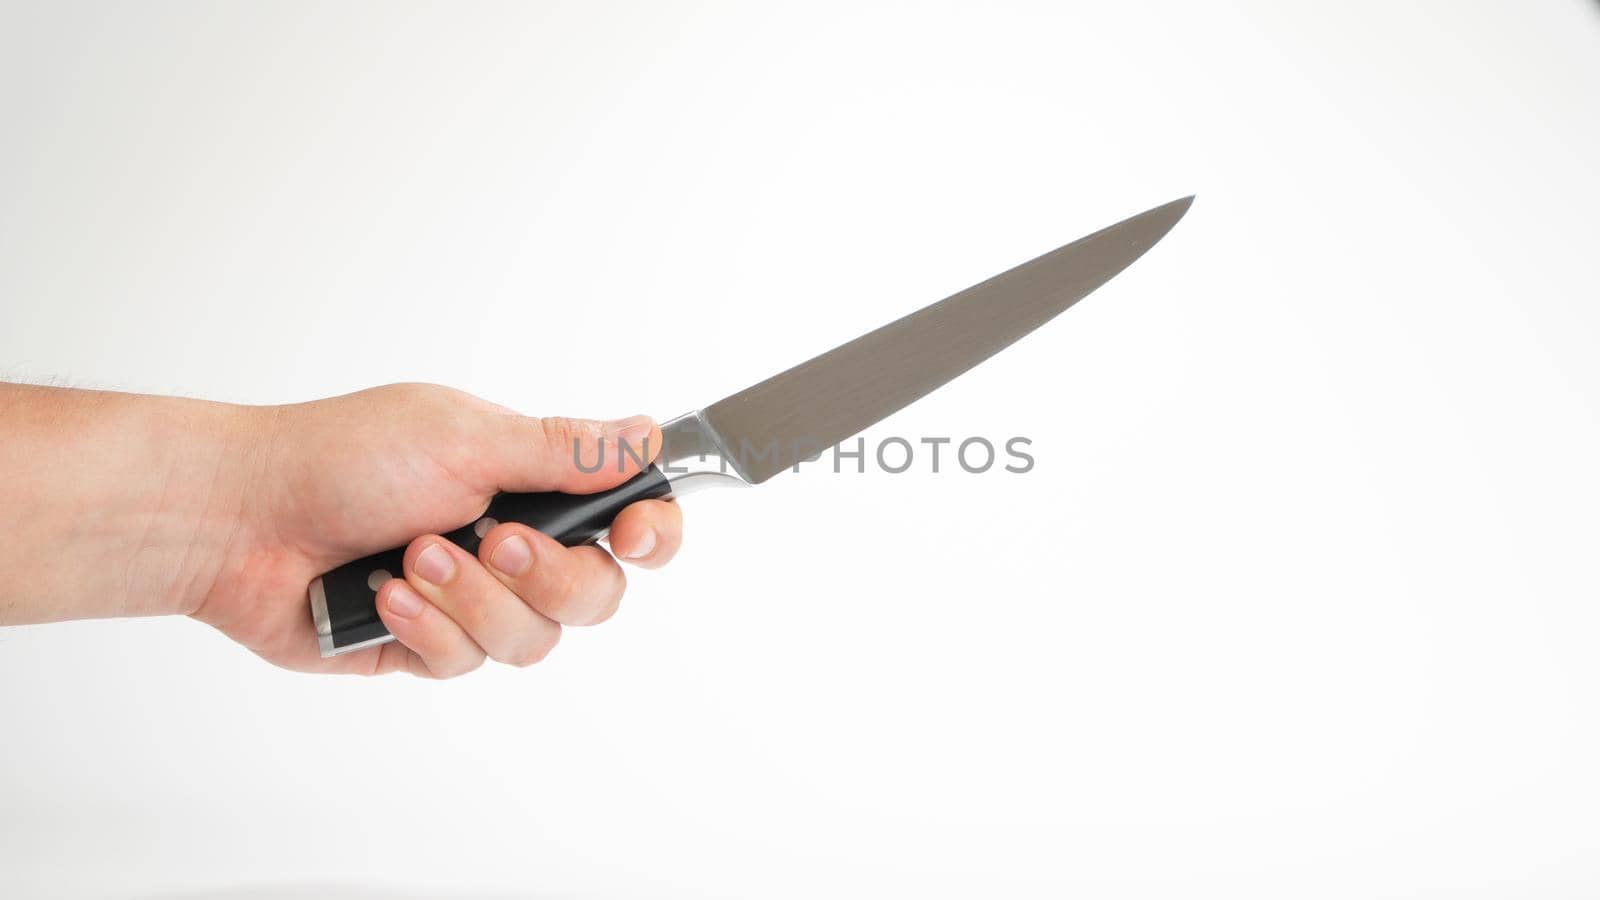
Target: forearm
(115, 504)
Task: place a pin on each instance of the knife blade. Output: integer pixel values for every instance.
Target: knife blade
(750, 436)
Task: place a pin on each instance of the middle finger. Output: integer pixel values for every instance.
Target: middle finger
(572, 585)
(453, 580)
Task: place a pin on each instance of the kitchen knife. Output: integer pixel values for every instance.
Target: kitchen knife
(753, 435)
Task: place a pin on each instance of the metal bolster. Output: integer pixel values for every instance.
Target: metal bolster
(694, 456)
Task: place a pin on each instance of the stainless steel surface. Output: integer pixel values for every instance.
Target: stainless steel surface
(351, 648)
(691, 475)
(692, 459)
(769, 427)
(319, 618)
(695, 456)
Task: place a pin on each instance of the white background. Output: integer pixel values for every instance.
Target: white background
(1300, 599)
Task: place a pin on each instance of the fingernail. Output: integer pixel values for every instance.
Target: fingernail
(646, 544)
(632, 433)
(434, 565)
(512, 556)
(404, 602)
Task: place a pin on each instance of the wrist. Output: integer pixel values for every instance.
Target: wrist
(123, 504)
(210, 455)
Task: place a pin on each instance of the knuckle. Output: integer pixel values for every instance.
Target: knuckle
(414, 394)
(460, 667)
(446, 410)
(562, 434)
(417, 667)
(603, 612)
(558, 432)
(603, 596)
(470, 610)
(444, 665)
(534, 649)
(611, 600)
(617, 583)
(562, 596)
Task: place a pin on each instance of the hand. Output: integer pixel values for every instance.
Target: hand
(227, 513)
(352, 475)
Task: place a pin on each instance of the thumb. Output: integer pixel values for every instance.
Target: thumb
(573, 456)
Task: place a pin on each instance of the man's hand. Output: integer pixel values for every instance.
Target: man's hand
(226, 513)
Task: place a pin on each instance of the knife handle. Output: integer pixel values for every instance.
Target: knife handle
(344, 602)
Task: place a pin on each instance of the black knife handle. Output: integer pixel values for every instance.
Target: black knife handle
(344, 602)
